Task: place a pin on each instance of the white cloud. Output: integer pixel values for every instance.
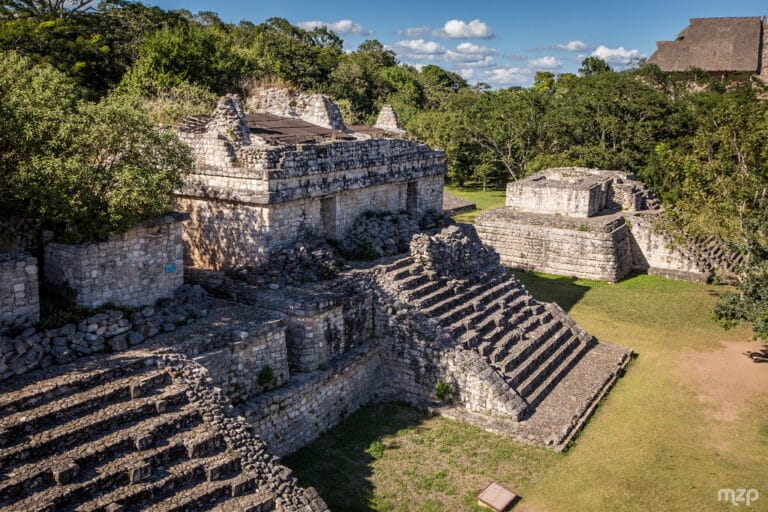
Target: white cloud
(616, 56)
(472, 55)
(465, 61)
(339, 27)
(419, 49)
(572, 46)
(473, 49)
(548, 62)
(458, 29)
(466, 73)
(414, 32)
(506, 76)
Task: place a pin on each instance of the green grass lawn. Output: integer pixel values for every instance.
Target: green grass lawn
(653, 444)
(485, 200)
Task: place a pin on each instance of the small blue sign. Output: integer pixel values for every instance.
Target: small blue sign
(170, 269)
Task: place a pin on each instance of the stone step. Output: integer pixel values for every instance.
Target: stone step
(525, 346)
(473, 296)
(398, 265)
(539, 363)
(439, 294)
(61, 437)
(423, 290)
(107, 468)
(103, 453)
(259, 501)
(539, 316)
(160, 484)
(413, 281)
(67, 379)
(516, 309)
(206, 495)
(468, 323)
(80, 403)
(537, 395)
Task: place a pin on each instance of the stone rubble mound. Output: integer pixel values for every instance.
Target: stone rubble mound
(307, 261)
(109, 330)
(379, 234)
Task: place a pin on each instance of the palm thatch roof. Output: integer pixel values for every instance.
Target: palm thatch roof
(715, 45)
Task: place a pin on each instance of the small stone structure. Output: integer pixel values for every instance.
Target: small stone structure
(134, 268)
(263, 181)
(19, 298)
(586, 223)
(387, 121)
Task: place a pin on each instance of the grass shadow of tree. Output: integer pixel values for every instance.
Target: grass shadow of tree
(563, 290)
(339, 463)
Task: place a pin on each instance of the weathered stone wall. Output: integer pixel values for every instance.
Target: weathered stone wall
(597, 248)
(655, 252)
(225, 234)
(236, 366)
(421, 355)
(19, 297)
(131, 269)
(552, 196)
(323, 320)
(310, 404)
(277, 174)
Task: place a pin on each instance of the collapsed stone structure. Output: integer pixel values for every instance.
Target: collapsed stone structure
(588, 223)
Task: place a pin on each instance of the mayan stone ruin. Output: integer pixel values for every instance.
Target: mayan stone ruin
(594, 224)
(318, 275)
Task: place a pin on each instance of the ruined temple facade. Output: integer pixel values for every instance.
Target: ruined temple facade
(586, 223)
(263, 180)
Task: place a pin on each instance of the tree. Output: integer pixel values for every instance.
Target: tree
(42, 9)
(85, 169)
(750, 303)
(505, 127)
(593, 66)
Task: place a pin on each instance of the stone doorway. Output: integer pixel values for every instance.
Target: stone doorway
(328, 209)
(412, 198)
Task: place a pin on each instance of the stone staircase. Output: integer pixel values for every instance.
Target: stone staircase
(532, 345)
(121, 433)
(712, 254)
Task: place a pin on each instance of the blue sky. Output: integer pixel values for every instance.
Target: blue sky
(502, 43)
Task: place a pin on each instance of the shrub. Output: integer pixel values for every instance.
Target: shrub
(443, 391)
(267, 377)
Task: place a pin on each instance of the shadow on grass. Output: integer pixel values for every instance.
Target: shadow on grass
(563, 290)
(339, 463)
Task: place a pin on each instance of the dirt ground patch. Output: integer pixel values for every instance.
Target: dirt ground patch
(728, 378)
